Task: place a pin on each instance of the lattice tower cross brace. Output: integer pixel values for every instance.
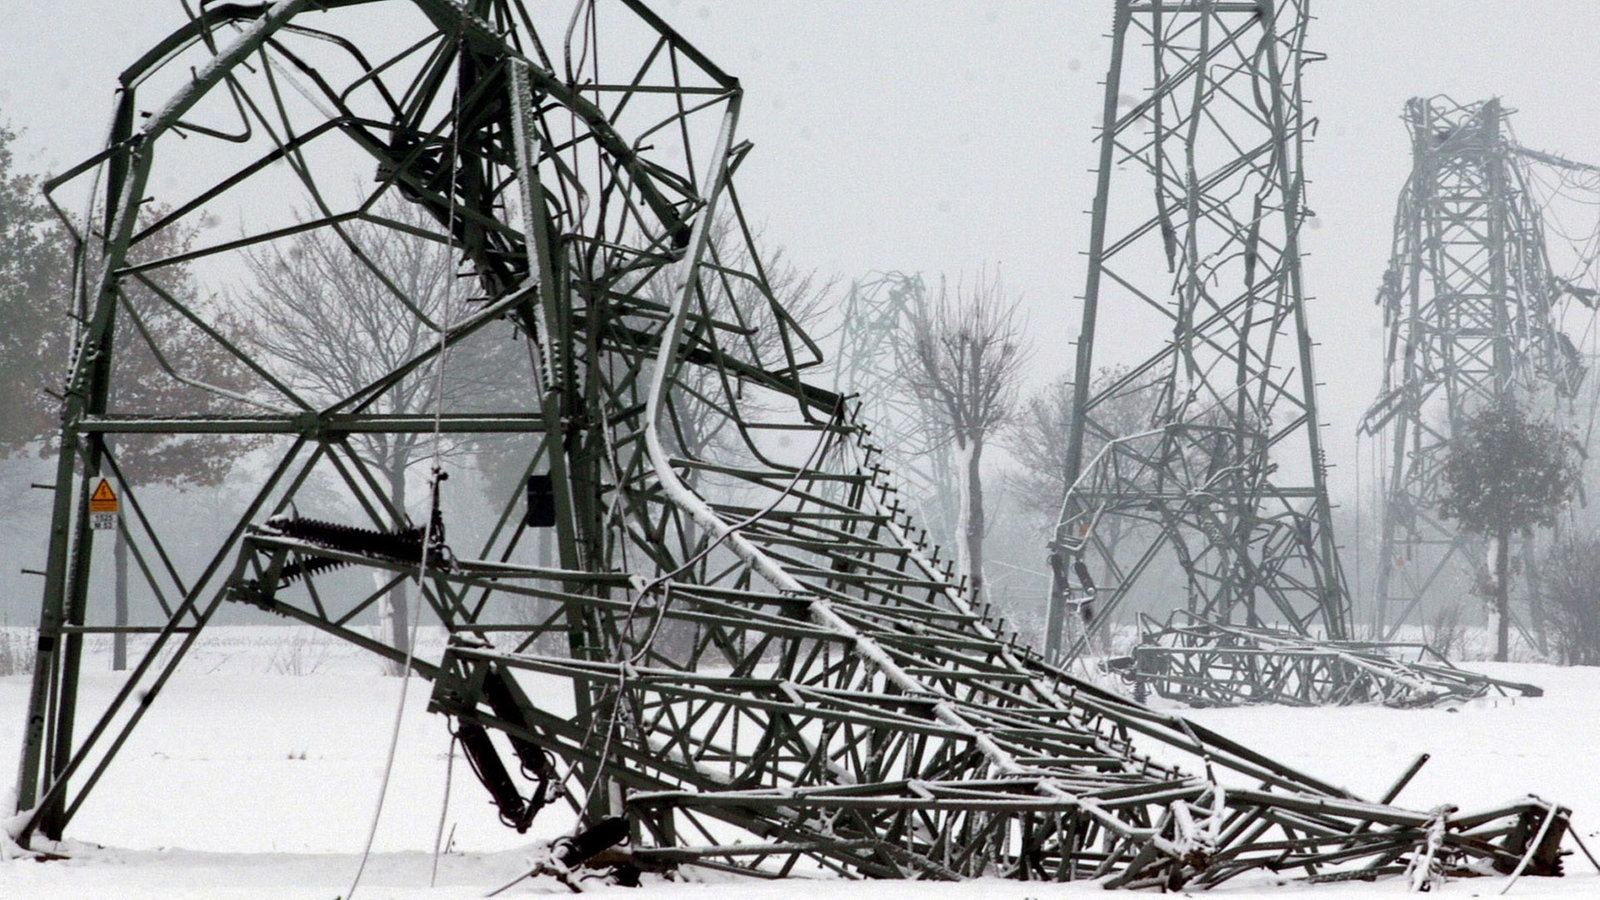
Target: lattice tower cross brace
(1230, 476)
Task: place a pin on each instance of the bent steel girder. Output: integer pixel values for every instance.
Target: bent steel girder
(1195, 234)
(740, 643)
(1473, 311)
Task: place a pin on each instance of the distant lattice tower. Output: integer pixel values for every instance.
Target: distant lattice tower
(1473, 311)
(873, 352)
(1195, 248)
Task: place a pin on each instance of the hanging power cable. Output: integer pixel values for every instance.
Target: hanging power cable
(432, 532)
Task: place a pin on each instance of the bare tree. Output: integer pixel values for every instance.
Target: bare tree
(1038, 433)
(339, 307)
(1036, 440)
(967, 358)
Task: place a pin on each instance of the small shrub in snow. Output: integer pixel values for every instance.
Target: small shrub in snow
(1445, 632)
(301, 653)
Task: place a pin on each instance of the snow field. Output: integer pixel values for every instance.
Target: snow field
(256, 772)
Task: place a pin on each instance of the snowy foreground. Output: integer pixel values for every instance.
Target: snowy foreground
(257, 772)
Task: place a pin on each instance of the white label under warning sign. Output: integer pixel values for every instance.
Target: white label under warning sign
(103, 521)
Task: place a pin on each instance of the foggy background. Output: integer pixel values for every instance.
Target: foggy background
(943, 137)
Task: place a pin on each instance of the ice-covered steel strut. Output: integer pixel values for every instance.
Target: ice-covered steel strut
(738, 647)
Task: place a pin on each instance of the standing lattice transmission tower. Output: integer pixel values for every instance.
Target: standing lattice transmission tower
(880, 313)
(1194, 249)
(1474, 315)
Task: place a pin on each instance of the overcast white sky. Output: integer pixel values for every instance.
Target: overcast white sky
(945, 136)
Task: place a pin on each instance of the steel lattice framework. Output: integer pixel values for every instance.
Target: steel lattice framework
(1204, 663)
(1195, 239)
(879, 312)
(745, 653)
(1473, 312)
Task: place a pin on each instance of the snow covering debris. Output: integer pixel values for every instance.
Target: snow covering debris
(11, 829)
(1425, 872)
(292, 829)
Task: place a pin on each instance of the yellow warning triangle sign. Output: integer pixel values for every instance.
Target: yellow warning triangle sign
(104, 499)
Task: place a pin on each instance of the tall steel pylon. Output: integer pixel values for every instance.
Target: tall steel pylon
(1474, 313)
(879, 315)
(1194, 240)
(748, 656)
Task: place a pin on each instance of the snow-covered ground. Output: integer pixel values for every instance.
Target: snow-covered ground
(257, 772)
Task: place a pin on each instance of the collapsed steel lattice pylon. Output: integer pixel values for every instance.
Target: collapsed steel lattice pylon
(1474, 315)
(1202, 663)
(740, 645)
(1195, 236)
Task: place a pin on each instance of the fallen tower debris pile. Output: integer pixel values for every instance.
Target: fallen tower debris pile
(1199, 662)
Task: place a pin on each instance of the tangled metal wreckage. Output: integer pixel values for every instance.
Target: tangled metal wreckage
(1208, 452)
(1476, 313)
(1200, 662)
(740, 656)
